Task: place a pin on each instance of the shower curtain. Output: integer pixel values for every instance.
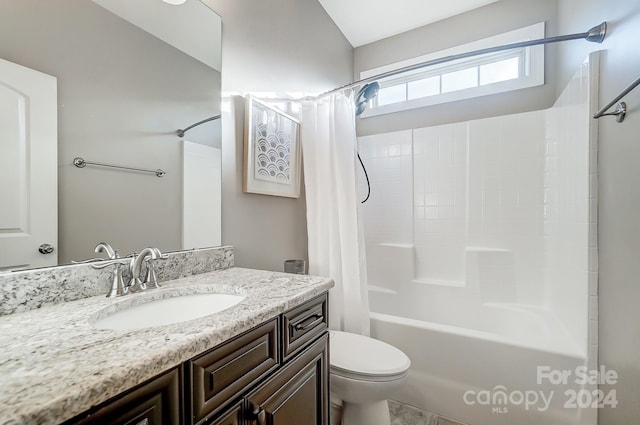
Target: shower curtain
(334, 225)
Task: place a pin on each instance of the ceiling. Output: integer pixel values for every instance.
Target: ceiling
(168, 23)
(366, 21)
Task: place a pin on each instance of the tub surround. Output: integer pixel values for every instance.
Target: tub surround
(28, 289)
(501, 260)
(55, 365)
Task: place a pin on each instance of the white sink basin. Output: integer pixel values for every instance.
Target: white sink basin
(167, 311)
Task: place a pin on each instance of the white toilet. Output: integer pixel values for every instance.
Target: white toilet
(365, 372)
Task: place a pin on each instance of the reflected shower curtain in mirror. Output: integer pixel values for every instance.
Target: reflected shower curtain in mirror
(334, 225)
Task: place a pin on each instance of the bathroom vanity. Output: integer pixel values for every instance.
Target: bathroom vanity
(264, 360)
(284, 358)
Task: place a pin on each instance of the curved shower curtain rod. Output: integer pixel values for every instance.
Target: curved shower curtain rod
(594, 35)
(180, 132)
(369, 86)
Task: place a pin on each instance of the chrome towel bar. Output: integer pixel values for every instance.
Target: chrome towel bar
(81, 163)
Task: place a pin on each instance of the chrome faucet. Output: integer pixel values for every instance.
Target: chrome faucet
(134, 263)
(135, 267)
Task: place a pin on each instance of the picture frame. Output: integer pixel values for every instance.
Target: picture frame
(272, 151)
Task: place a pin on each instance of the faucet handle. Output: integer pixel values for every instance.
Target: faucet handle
(90, 260)
(112, 254)
(118, 288)
(101, 263)
(151, 279)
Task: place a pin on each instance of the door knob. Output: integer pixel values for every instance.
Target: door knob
(46, 248)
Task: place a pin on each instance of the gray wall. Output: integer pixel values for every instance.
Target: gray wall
(495, 18)
(619, 203)
(121, 95)
(271, 46)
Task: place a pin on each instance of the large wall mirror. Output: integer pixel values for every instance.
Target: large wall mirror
(128, 75)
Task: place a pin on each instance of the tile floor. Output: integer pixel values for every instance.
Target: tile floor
(402, 414)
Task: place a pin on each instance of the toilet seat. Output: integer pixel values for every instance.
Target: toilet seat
(362, 358)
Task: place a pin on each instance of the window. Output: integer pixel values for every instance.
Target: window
(459, 80)
(424, 87)
(392, 94)
(462, 79)
(503, 70)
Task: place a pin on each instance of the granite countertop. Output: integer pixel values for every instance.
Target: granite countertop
(55, 365)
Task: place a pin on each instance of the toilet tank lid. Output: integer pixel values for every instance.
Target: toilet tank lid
(366, 356)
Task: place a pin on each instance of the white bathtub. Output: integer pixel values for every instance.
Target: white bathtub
(462, 355)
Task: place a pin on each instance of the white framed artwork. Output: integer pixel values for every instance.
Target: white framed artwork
(272, 157)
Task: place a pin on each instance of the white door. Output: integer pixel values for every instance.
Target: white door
(28, 167)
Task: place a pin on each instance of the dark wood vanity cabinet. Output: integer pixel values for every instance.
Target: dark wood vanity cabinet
(155, 402)
(297, 394)
(231, 416)
(274, 374)
(290, 352)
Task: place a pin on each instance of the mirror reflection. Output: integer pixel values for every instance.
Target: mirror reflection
(127, 77)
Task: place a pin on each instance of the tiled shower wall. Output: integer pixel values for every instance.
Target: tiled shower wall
(474, 217)
(388, 216)
(441, 169)
(476, 188)
(504, 207)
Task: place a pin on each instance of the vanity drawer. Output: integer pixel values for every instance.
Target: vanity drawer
(221, 374)
(303, 324)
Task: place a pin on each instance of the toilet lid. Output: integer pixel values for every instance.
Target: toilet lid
(361, 355)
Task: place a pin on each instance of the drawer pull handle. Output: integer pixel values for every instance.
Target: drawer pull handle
(308, 322)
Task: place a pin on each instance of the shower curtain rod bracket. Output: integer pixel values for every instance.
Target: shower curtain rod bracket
(597, 33)
(621, 108)
(620, 113)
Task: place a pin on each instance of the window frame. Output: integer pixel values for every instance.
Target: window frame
(531, 71)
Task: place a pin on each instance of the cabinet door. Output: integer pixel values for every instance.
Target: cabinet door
(157, 402)
(225, 372)
(298, 394)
